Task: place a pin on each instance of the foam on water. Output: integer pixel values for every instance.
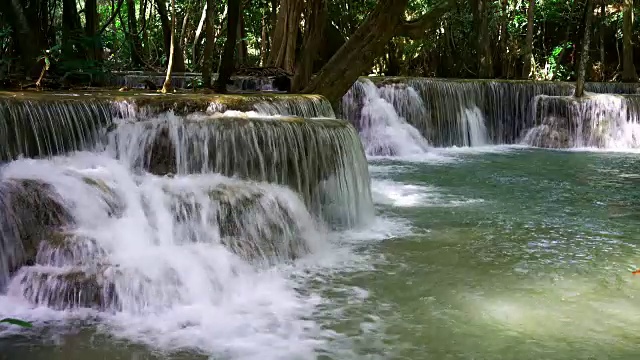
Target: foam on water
(174, 289)
(399, 194)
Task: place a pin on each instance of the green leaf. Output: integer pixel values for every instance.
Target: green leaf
(17, 322)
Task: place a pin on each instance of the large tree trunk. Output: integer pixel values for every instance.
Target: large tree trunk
(483, 45)
(166, 87)
(368, 42)
(601, 29)
(316, 20)
(94, 52)
(178, 61)
(209, 43)
(584, 51)
(242, 34)
(226, 65)
(70, 28)
(264, 42)
(133, 35)
(504, 52)
(628, 68)
(528, 47)
(285, 35)
(24, 38)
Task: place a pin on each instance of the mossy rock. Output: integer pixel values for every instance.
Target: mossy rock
(32, 212)
(71, 289)
(251, 222)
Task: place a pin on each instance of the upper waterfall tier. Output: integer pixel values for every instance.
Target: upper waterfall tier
(43, 124)
(467, 112)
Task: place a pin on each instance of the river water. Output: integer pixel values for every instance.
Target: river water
(501, 252)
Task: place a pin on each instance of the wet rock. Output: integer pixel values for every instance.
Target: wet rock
(65, 289)
(31, 212)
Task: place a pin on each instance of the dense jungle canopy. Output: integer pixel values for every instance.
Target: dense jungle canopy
(337, 40)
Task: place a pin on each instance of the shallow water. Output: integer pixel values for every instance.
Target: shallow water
(490, 253)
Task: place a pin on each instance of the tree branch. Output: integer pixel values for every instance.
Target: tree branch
(417, 29)
(113, 16)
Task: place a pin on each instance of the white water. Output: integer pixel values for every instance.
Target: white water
(473, 127)
(382, 130)
(597, 121)
(176, 281)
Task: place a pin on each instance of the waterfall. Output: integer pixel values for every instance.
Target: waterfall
(177, 260)
(36, 128)
(40, 125)
(597, 120)
(446, 111)
(383, 131)
(322, 159)
(474, 130)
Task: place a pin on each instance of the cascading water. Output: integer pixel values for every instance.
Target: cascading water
(383, 131)
(172, 255)
(193, 255)
(597, 120)
(319, 158)
(481, 112)
(473, 128)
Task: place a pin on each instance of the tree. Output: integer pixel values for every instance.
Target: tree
(166, 87)
(227, 63)
(285, 35)
(316, 20)
(584, 52)
(628, 68)
(528, 48)
(368, 42)
(483, 44)
(169, 38)
(209, 42)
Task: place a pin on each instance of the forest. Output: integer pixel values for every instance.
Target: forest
(317, 46)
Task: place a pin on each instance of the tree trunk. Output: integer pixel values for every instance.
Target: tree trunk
(504, 51)
(584, 52)
(601, 29)
(368, 42)
(315, 22)
(209, 43)
(226, 65)
(133, 36)
(528, 47)
(242, 34)
(24, 38)
(628, 68)
(264, 42)
(70, 28)
(178, 60)
(195, 52)
(94, 52)
(483, 45)
(166, 87)
(285, 35)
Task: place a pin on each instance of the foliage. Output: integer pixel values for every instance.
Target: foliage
(450, 51)
(16, 322)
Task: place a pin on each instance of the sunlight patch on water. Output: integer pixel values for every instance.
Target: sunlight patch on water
(567, 310)
(388, 192)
